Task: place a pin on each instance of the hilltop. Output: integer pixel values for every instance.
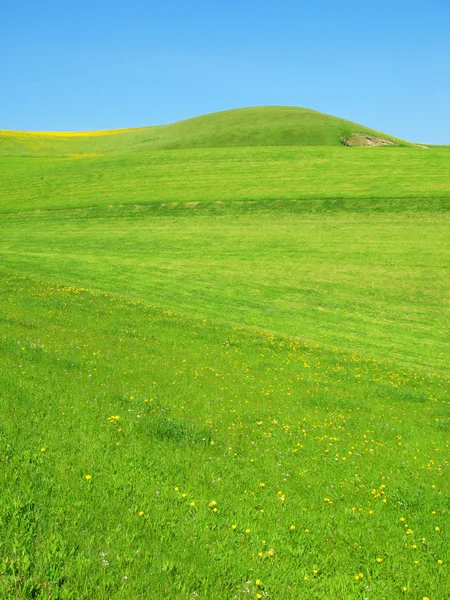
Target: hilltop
(245, 127)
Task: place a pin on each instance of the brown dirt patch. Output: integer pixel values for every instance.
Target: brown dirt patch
(362, 139)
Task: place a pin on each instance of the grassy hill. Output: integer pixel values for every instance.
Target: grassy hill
(223, 371)
(259, 126)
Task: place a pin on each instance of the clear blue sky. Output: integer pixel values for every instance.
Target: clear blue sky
(78, 64)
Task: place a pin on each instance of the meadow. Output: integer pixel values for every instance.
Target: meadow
(224, 371)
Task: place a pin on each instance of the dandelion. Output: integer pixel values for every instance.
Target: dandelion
(379, 560)
(191, 503)
(261, 485)
(436, 529)
(258, 582)
(212, 504)
(292, 527)
(233, 527)
(247, 531)
(141, 513)
(88, 477)
(440, 561)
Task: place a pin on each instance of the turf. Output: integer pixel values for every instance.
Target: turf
(224, 374)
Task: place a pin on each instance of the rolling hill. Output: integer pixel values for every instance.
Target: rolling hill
(245, 127)
(224, 370)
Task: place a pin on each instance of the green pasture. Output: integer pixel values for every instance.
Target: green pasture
(224, 372)
(245, 127)
(375, 175)
(374, 283)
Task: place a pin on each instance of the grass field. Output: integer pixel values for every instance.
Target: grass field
(224, 371)
(245, 127)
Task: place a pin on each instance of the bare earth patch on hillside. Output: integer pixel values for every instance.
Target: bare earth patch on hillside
(361, 139)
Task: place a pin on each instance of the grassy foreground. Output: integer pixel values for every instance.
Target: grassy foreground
(224, 374)
(149, 455)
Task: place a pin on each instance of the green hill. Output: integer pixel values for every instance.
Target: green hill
(224, 371)
(258, 126)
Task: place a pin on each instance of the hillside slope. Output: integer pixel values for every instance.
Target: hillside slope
(257, 126)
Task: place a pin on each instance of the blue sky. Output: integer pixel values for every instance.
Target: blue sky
(78, 65)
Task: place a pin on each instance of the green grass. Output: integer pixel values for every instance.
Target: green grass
(374, 283)
(260, 331)
(308, 423)
(257, 126)
(229, 175)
